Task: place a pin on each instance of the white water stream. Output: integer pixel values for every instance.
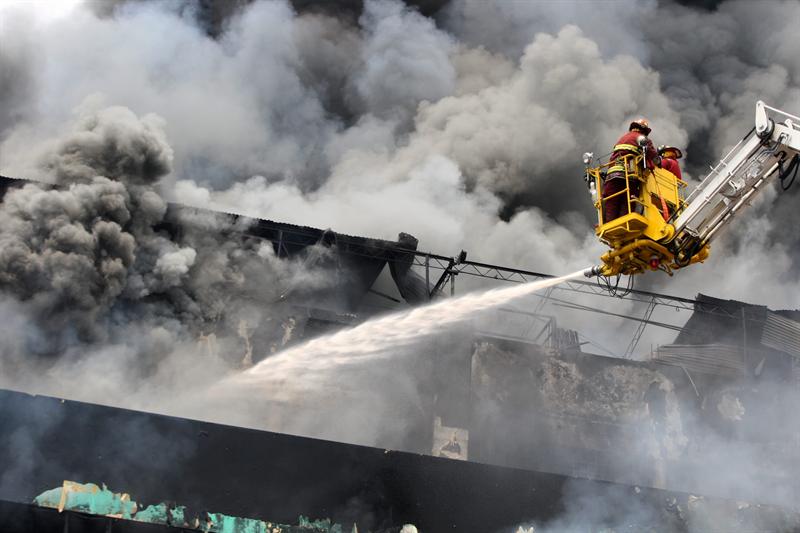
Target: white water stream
(395, 331)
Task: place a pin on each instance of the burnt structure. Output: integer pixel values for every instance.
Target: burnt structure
(261, 474)
(278, 477)
(719, 394)
(533, 417)
(349, 264)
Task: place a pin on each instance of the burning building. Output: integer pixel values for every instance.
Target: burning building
(511, 416)
(188, 365)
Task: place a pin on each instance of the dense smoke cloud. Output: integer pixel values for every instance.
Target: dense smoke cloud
(98, 264)
(406, 61)
(334, 112)
(70, 252)
(711, 67)
(508, 27)
(465, 130)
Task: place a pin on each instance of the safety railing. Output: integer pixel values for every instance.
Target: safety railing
(631, 170)
(794, 120)
(669, 188)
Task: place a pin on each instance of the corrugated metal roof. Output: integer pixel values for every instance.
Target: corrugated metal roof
(717, 359)
(781, 334)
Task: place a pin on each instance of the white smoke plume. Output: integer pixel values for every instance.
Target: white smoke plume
(327, 109)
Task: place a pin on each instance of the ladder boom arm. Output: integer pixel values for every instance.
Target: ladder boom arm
(741, 174)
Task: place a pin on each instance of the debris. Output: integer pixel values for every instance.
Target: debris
(87, 498)
(730, 407)
(450, 442)
(91, 499)
(244, 332)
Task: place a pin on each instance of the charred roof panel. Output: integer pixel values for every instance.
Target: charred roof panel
(264, 475)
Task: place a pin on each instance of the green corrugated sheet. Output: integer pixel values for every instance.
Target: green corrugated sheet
(220, 523)
(154, 514)
(91, 499)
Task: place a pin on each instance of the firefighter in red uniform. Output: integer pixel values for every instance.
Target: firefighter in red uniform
(669, 159)
(632, 143)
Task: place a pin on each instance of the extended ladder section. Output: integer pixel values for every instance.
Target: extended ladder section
(769, 148)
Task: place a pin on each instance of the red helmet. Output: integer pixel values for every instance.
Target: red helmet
(669, 152)
(640, 124)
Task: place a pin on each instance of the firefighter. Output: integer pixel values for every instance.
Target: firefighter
(632, 143)
(669, 159)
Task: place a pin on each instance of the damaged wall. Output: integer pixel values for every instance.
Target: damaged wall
(631, 422)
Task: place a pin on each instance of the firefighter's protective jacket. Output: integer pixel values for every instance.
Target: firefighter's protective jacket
(667, 163)
(627, 145)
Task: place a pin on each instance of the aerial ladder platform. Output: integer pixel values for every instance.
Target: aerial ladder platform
(664, 229)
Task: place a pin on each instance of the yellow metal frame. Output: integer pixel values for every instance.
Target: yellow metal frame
(643, 235)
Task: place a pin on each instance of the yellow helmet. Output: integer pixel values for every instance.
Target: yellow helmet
(641, 124)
